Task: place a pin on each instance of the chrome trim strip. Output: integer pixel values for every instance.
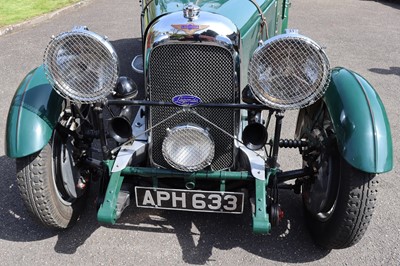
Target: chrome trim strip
(257, 163)
(126, 152)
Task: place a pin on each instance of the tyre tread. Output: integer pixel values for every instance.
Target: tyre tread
(353, 213)
(36, 191)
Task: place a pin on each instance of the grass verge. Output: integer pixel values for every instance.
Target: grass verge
(15, 11)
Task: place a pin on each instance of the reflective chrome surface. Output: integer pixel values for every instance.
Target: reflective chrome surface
(81, 65)
(191, 11)
(137, 64)
(188, 148)
(195, 57)
(207, 29)
(289, 71)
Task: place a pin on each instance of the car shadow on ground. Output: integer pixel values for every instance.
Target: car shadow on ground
(389, 71)
(17, 224)
(391, 3)
(197, 233)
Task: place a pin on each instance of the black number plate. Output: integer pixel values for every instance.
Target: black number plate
(189, 200)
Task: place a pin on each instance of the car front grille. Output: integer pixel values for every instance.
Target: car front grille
(201, 70)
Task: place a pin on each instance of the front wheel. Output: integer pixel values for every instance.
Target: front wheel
(339, 199)
(51, 185)
(346, 220)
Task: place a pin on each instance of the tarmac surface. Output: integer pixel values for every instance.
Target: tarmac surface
(361, 35)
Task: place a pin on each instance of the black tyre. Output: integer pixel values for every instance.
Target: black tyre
(339, 200)
(45, 182)
(343, 223)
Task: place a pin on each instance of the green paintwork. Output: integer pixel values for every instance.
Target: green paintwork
(249, 33)
(32, 116)
(156, 172)
(243, 14)
(360, 122)
(107, 212)
(261, 224)
(285, 14)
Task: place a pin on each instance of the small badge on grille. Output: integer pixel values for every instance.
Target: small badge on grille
(189, 28)
(186, 100)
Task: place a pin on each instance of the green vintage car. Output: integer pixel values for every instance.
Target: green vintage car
(219, 76)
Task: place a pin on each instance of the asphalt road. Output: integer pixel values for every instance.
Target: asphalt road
(361, 35)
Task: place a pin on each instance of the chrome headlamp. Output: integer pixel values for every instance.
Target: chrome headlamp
(81, 65)
(289, 71)
(188, 148)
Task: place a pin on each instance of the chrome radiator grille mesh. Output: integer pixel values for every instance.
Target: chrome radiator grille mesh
(201, 70)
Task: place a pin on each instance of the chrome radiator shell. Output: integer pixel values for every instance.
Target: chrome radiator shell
(202, 61)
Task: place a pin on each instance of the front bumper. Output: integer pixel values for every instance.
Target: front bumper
(107, 212)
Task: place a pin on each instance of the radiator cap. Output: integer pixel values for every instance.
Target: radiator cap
(191, 11)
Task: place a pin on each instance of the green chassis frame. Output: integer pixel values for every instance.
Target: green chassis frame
(107, 212)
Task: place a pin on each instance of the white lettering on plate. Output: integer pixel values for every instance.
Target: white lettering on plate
(148, 199)
(162, 196)
(198, 203)
(215, 200)
(232, 200)
(175, 198)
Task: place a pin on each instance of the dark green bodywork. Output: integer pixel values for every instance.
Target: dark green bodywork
(360, 122)
(33, 115)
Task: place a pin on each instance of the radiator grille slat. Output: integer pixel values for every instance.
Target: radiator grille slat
(201, 70)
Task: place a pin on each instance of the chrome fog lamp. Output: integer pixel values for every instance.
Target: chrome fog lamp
(289, 71)
(188, 148)
(81, 65)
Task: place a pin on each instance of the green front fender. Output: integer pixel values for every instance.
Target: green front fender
(360, 122)
(33, 115)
